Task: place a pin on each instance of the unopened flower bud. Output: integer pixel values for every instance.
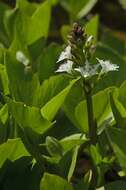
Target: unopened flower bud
(77, 30)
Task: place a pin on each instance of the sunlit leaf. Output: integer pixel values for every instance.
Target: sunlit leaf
(50, 109)
(73, 140)
(92, 26)
(101, 107)
(80, 9)
(54, 182)
(27, 116)
(12, 150)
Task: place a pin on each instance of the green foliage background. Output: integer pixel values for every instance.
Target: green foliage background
(42, 114)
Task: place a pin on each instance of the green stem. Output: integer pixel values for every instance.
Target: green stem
(92, 127)
(91, 121)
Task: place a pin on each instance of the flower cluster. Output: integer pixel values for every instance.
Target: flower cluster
(71, 65)
(88, 69)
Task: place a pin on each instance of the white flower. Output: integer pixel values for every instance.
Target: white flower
(107, 66)
(22, 58)
(66, 67)
(66, 54)
(87, 70)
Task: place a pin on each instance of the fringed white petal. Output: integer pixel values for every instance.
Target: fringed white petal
(87, 70)
(107, 66)
(66, 54)
(65, 67)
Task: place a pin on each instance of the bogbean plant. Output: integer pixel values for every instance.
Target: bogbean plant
(77, 63)
(62, 110)
(76, 60)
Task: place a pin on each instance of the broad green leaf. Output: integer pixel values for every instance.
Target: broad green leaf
(51, 87)
(4, 135)
(101, 107)
(2, 53)
(100, 163)
(54, 147)
(118, 110)
(31, 140)
(65, 30)
(76, 95)
(29, 27)
(122, 94)
(50, 109)
(65, 163)
(53, 182)
(4, 80)
(63, 128)
(5, 125)
(23, 83)
(27, 116)
(4, 114)
(39, 22)
(92, 26)
(47, 61)
(96, 156)
(80, 9)
(54, 2)
(26, 7)
(35, 49)
(9, 22)
(89, 4)
(117, 138)
(71, 141)
(68, 161)
(3, 36)
(20, 29)
(12, 149)
(3, 8)
(116, 185)
(109, 39)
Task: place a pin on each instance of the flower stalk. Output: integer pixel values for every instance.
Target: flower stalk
(90, 113)
(76, 60)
